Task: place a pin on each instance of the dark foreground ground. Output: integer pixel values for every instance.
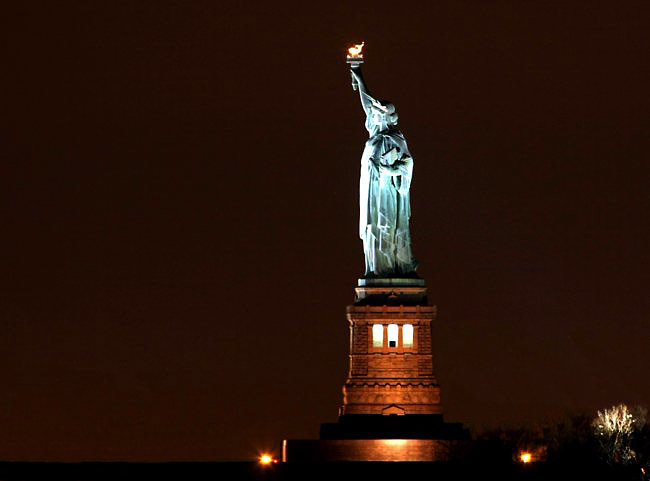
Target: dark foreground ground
(10, 471)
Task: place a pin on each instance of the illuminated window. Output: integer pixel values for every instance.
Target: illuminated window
(377, 335)
(407, 335)
(392, 335)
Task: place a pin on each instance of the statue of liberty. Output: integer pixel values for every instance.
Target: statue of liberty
(384, 207)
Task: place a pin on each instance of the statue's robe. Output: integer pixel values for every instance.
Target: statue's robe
(384, 203)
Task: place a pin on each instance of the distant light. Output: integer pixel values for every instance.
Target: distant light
(525, 457)
(266, 459)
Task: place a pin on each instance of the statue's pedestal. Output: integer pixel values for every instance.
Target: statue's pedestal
(391, 399)
(391, 365)
(413, 450)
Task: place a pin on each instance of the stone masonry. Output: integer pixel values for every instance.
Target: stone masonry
(390, 379)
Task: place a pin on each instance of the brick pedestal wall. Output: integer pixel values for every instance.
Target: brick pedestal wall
(385, 379)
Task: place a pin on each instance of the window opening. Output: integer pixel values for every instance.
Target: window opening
(377, 335)
(392, 335)
(407, 335)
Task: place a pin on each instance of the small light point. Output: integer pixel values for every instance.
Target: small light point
(266, 459)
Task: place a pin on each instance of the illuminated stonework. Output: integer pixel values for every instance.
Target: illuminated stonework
(391, 399)
(421, 450)
(388, 375)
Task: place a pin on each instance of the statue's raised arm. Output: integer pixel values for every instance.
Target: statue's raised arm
(364, 94)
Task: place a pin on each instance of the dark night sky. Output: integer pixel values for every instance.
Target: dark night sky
(179, 202)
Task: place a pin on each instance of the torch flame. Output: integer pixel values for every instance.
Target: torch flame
(355, 51)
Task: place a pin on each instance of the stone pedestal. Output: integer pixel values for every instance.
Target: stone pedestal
(391, 407)
(391, 376)
(413, 450)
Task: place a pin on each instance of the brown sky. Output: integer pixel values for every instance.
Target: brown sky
(179, 198)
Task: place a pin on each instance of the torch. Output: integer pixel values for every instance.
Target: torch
(355, 59)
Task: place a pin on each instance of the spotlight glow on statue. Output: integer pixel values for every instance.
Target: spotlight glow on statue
(386, 173)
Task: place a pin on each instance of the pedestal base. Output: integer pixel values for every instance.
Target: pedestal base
(383, 438)
(413, 450)
(415, 426)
